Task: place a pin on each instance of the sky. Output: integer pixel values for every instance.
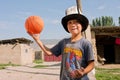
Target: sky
(13, 14)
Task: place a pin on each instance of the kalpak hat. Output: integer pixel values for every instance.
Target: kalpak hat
(73, 13)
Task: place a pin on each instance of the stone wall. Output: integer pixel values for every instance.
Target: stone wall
(94, 47)
(117, 54)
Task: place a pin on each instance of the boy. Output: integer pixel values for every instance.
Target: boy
(76, 51)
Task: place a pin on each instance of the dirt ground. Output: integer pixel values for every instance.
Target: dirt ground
(109, 66)
(29, 73)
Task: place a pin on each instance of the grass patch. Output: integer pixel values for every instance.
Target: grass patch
(40, 66)
(38, 61)
(107, 74)
(3, 66)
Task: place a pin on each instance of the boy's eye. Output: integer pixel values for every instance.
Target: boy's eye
(69, 22)
(73, 22)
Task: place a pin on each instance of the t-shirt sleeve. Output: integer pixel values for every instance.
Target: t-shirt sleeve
(89, 51)
(58, 48)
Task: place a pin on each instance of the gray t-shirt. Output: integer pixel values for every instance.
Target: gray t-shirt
(74, 56)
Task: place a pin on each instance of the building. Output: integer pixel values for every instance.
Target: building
(107, 43)
(16, 51)
(49, 43)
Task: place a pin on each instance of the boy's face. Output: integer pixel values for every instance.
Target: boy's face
(74, 27)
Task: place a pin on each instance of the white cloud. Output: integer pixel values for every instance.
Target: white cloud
(118, 7)
(23, 15)
(55, 22)
(101, 7)
(56, 11)
(49, 21)
(4, 25)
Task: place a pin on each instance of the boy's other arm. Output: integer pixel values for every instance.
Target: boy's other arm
(83, 71)
(89, 67)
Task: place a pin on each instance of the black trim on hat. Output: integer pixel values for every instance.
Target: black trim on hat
(81, 19)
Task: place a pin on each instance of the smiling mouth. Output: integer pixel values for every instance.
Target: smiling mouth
(74, 29)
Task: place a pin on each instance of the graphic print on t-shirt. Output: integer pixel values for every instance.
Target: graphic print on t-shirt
(73, 58)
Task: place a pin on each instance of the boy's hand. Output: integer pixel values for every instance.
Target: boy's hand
(77, 73)
(72, 74)
(36, 37)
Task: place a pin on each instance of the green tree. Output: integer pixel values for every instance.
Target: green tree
(97, 22)
(119, 21)
(93, 23)
(103, 21)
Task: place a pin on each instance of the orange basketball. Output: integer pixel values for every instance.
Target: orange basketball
(34, 24)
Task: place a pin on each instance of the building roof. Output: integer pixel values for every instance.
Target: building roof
(16, 40)
(106, 29)
(106, 35)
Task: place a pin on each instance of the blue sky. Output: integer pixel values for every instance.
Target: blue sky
(13, 14)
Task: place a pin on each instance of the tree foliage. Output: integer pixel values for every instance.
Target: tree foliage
(103, 21)
(119, 21)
